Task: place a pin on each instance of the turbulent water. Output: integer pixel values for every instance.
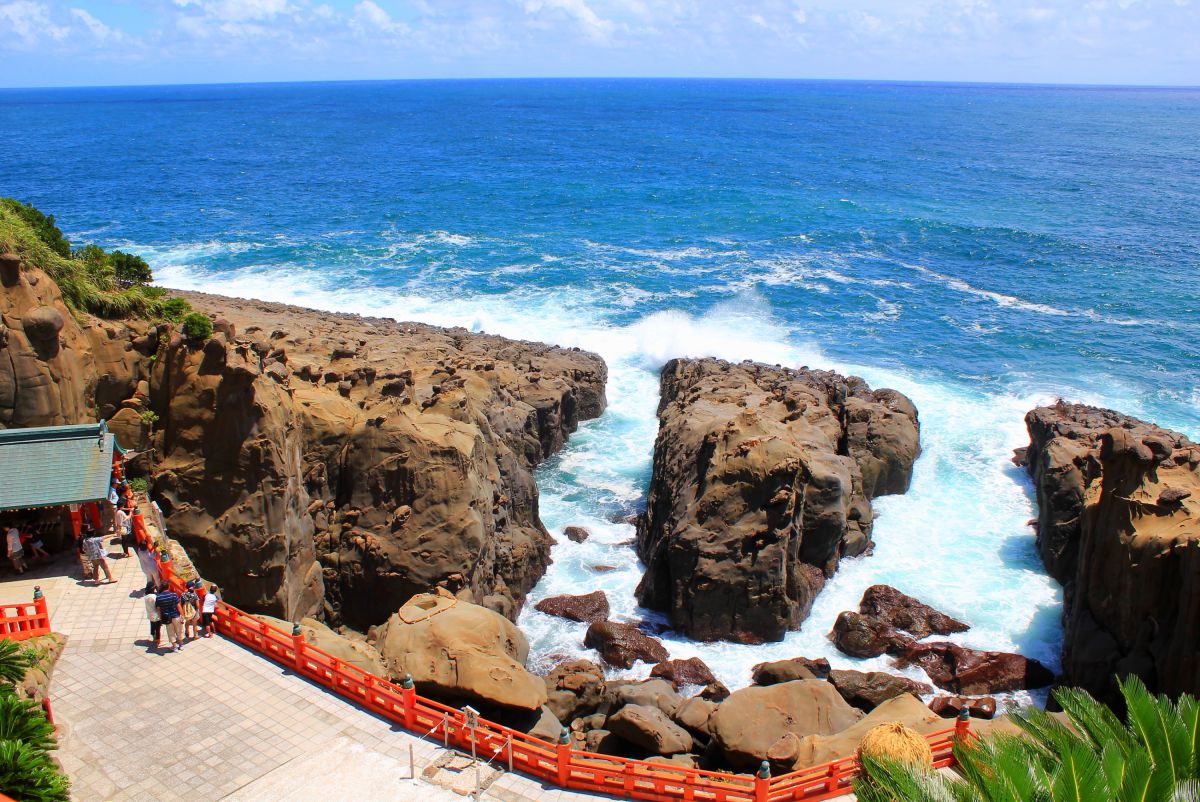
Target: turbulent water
(982, 249)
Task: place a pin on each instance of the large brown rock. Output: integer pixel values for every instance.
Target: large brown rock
(586, 608)
(349, 648)
(1119, 526)
(867, 690)
(777, 671)
(974, 672)
(460, 652)
(751, 721)
(899, 611)
(650, 729)
(621, 645)
(575, 688)
(813, 750)
(648, 693)
(762, 481)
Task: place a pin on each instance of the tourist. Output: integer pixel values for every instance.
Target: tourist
(167, 602)
(154, 616)
(125, 530)
(93, 546)
(209, 609)
(189, 612)
(149, 566)
(34, 546)
(15, 551)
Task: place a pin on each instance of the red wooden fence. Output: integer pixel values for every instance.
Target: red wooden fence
(24, 621)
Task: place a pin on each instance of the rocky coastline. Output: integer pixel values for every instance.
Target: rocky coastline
(373, 480)
(1119, 526)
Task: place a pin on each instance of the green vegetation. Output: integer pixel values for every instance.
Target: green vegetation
(138, 484)
(196, 326)
(1150, 757)
(26, 737)
(108, 284)
(148, 417)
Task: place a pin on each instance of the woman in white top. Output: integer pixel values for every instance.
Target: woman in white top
(15, 551)
(154, 616)
(208, 608)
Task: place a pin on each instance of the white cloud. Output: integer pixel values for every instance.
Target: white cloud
(594, 26)
(368, 17)
(30, 22)
(102, 33)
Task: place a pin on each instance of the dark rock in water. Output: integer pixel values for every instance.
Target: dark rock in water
(603, 569)
(790, 670)
(970, 671)
(868, 690)
(762, 480)
(859, 635)
(691, 671)
(588, 608)
(903, 612)
(949, 706)
(1118, 516)
(651, 729)
(576, 534)
(621, 645)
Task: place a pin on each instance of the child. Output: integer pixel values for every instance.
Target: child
(36, 548)
(188, 613)
(208, 610)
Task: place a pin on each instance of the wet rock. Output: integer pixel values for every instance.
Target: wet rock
(587, 608)
(576, 534)
(970, 671)
(621, 645)
(679, 673)
(862, 636)
(903, 612)
(950, 706)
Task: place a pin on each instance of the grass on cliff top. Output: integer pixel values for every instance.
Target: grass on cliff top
(107, 284)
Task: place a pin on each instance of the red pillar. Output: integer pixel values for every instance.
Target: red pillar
(408, 693)
(563, 754)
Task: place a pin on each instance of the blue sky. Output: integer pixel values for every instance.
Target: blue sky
(86, 42)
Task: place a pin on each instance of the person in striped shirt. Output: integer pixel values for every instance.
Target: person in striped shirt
(167, 602)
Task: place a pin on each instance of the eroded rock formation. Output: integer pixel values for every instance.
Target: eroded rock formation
(762, 481)
(1119, 526)
(315, 463)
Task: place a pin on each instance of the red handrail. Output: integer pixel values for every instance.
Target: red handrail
(557, 763)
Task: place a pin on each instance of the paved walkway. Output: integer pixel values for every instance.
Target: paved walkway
(215, 721)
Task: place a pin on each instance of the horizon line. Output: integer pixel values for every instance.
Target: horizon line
(531, 78)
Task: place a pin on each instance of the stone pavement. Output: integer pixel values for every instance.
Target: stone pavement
(213, 721)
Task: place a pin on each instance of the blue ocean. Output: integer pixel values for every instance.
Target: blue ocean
(981, 248)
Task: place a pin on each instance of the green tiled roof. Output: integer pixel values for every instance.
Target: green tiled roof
(54, 465)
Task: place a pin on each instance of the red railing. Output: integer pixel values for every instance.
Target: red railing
(24, 621)
(555, 763)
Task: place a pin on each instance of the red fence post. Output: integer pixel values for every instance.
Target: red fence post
(46, 709)
(297, 648)
(564, 756)
(39, 603)
(962, 727)
(762, 782)
(408, 693)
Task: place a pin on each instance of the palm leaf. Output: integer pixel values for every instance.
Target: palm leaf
(1080, 777)
(23, 720)
(1159, 727)
(29, 775)
(885, 780)
(1095, 720)
(14, 661)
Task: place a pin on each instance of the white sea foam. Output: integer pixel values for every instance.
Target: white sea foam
(957, 539)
